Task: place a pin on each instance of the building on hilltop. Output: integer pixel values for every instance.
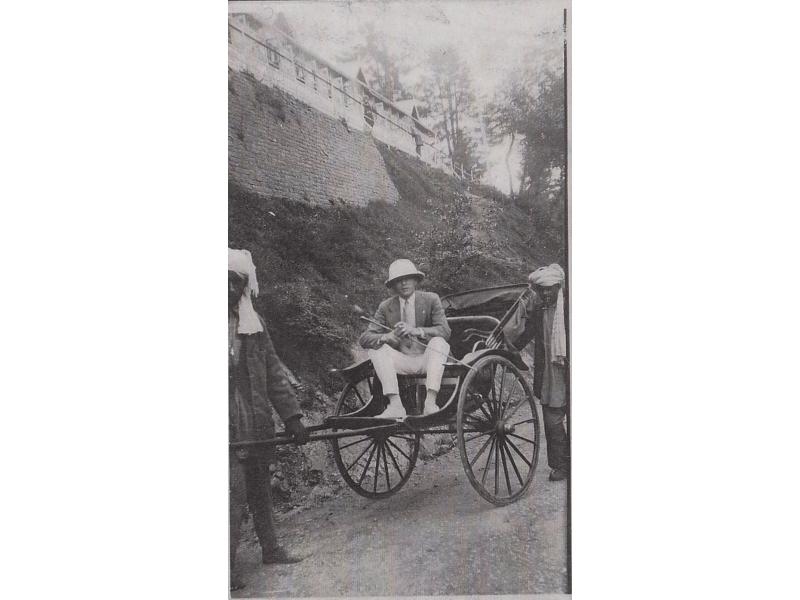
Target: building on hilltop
(273, 56)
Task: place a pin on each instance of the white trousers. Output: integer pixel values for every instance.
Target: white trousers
(389, 363)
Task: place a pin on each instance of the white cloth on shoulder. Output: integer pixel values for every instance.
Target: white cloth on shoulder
(547, 277)
(240, 261)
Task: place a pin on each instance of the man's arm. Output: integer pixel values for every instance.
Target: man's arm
(280, 391)
(439, 327)
(375, 337)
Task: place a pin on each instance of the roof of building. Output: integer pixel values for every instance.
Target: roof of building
(258, 25)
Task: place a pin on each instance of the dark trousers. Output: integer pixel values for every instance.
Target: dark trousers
(250, 487)
(556, 435)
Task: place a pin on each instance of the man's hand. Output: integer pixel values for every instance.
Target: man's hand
(403, 330)
(391, 339)
(297, 429)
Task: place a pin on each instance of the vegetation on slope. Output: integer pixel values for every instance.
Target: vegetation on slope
(315, 263)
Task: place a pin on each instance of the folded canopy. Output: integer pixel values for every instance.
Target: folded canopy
(494, 301)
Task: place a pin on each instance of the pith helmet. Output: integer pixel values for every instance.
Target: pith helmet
(402, 268)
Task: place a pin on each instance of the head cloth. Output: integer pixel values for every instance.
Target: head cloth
(547, 277)
(240, 261)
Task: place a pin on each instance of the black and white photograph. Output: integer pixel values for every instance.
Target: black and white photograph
(511, 300)
(398, 312)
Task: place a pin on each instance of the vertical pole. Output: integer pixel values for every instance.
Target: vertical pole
(567, 320)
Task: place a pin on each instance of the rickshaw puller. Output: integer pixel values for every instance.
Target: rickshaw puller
(542, 320)
(411, 314)
(256, 380)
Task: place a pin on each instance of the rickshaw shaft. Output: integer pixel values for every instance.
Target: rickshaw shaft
(284, 438)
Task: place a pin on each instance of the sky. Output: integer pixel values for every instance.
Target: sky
(492, 36)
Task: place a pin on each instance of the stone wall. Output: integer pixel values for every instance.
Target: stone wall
(278, 61)
(281, 147)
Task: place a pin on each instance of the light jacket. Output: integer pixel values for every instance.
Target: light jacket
(427, 310)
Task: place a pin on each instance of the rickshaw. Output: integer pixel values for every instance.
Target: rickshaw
(484, 400)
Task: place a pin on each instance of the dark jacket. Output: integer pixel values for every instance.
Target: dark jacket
(256, 381)
(427, 310)
(524, 327)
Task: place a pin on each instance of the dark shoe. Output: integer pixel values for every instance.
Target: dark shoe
(279, 555)
(558, 475)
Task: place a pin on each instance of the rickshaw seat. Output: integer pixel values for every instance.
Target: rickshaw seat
(355, 372)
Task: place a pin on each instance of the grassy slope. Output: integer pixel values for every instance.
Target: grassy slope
(314, 263)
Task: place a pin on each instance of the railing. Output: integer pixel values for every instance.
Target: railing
(457, 171)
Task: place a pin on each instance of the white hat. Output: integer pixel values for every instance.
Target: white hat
(402, 268)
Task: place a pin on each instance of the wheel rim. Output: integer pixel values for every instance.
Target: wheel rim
(375, 466)
(498, 430)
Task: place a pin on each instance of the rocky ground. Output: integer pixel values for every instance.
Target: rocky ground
(436, 536)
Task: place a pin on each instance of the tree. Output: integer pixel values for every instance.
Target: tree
(529, 111)
(506, 117)
(545, 155)
(382, 68)
(446, 95)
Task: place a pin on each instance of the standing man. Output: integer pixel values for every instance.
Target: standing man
(412, 341)
(541, 319)
(256, 380)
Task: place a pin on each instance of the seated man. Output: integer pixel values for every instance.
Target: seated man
(412, 339)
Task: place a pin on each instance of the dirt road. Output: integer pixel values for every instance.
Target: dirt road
(435, 536)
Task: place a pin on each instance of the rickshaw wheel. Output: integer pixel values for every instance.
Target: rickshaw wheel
(497, 412)
(374, 466)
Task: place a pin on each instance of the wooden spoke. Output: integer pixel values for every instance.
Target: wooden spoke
(496, 471)
(502, 384)
(396, 447)
(488, 460)
(386, 467)
(365, 439)
(394, 462)
(359, 456)
(502, 454)
(486, 443)
(493, 404)
(513, 464)
(511, 393)
(519, 405)
(483, 410)
(522, 438)
(517, 450)
(531, 420)
(377, 466)
(475, 437)
(366, 467)
(477, 421)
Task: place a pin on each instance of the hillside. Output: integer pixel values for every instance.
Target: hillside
(315, 263)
